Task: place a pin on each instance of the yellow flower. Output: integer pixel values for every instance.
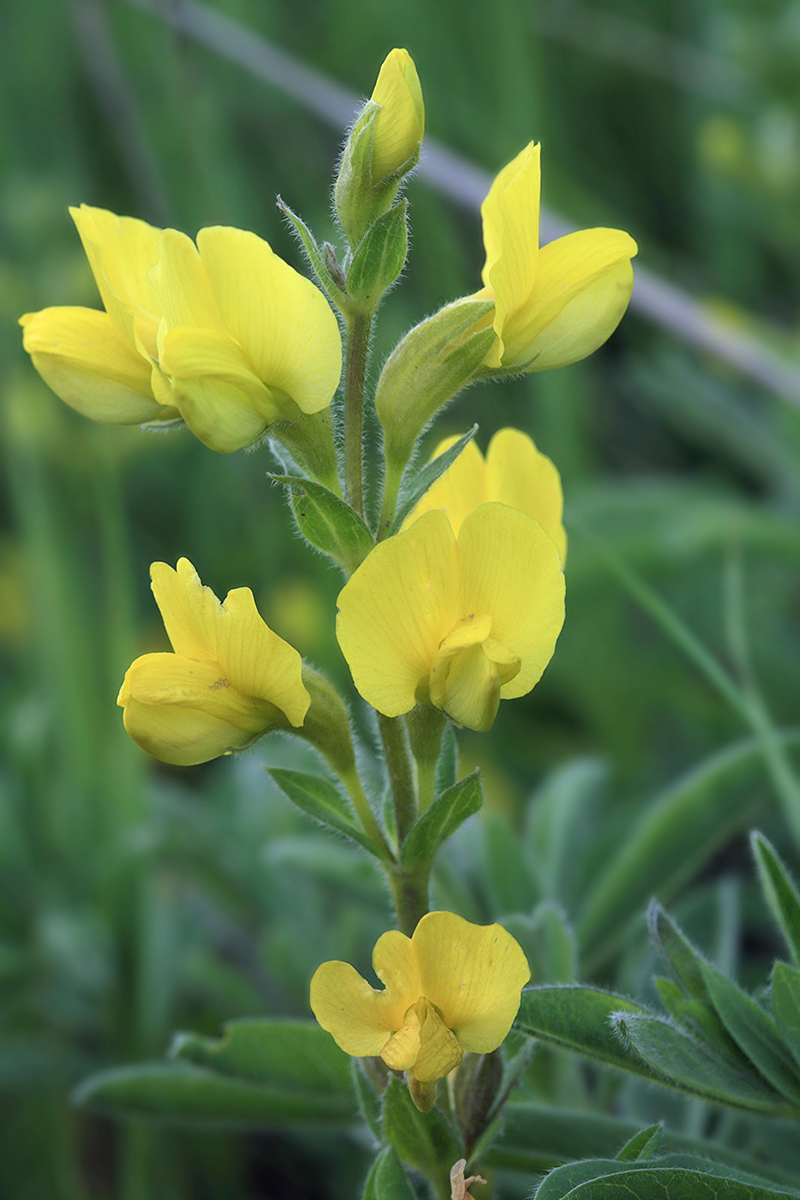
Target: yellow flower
(451, 987)
(456, 623)
(229, 680)
(101, 363)
(514, 472)
(244, 340)
(401, 122)
(553, 305)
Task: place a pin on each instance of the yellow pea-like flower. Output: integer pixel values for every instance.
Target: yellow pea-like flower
(244, 340)
(229, 680)
(449, 988)
(557, 304)
(459, 623)
(101, 363)
(513, 472)
(400, 124)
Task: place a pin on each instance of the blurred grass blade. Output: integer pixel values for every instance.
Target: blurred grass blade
(779, 891)
(180, 1093)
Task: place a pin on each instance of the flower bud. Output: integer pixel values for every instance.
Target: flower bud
(382, 147)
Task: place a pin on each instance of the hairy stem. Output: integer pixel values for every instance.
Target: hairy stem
(358, 335)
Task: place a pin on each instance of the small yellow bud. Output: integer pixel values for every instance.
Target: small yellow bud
(400, 124)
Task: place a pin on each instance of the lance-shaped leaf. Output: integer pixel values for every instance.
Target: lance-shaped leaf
(685, 1063)
(379, 258)
(675, 836)
(180, 1093)
(315, 259)
(415, 488)
(579, 1019)
(442, 819)
(642, 1145)
(537, 1137)
(667, 1178)
(754, 1031)
(293, 1054)
(780, 892)
(322, 801)
(328, 522)
(786, 1005)
(387, 1180)
(423, 1141)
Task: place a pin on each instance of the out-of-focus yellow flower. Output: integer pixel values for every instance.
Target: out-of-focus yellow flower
(400, 124)
(244, 340)
(553, 305)
(451, 987)
(514, 472)
(229, 680)
(101, 363)
(456, 623)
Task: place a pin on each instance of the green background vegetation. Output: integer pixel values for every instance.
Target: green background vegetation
(135, 898)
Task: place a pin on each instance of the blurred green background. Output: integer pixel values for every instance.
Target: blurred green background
(137, 898)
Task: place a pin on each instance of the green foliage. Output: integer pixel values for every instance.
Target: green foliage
(327, 522)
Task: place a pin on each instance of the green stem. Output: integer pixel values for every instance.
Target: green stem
(410, 895)
(425, 726)
(358, 334)
(391, 490)
(360, 803)
(401, 775)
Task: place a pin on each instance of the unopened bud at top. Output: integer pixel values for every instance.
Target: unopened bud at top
(382, 147)
(400, 124)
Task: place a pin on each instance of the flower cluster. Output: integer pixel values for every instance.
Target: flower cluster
(453, 600)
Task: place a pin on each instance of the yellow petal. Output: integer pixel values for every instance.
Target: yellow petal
(184, 712)
(215, 390)
(473, 685)
(394, 612)
(473, 974)
(511, 235)
(583, 285)
(401, 1051)
(461, 488)
(121, 252)
(439, 1049)
(400, 124)
(359, 1017)
(233, 636)
(347, 1007)
(256, 660)
(282, 321)
(510, 568)
(519, 475)
(519, 206)
(467, 632)
(184, 291)
(80, 355)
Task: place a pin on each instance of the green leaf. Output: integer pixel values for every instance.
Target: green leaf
(678, 1060)
(415, 488)
(642, 1145)
(754, 1031)
(683, 960)
(322, 801)
(178, 1092)
(328, 522)
(379, 257)
(579, 1018)
(548, 941)
(674, 837)
(786, 1005)
(369, 1102)
(387, 1180)
(423, 1141)
(537, 1137)
(780, 892)
(294, 1054)
(558, 808)
(315, 259)
(672, 1177)
(442, 819)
